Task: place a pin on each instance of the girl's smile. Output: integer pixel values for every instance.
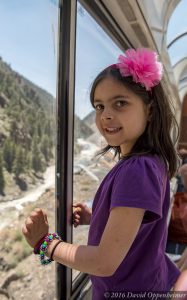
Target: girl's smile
(112, 130)
(121, 115)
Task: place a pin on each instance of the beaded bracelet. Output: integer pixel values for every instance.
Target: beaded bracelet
(37, 247)
(43, 248)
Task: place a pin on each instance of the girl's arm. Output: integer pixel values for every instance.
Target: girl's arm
(102, 260)
(181, 283)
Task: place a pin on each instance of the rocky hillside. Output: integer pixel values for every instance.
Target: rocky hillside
(89, 120)
(27, 131)
(82, 130)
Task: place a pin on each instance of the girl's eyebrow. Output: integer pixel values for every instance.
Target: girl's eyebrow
(112, 98)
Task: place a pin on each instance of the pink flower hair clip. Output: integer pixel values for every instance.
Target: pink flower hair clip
(142, 65)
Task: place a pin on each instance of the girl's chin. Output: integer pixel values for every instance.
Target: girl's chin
(111, 142)
(113, 145)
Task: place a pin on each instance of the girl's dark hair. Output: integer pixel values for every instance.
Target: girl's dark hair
(156, 138)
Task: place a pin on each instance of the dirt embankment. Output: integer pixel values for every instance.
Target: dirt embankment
(21, 275)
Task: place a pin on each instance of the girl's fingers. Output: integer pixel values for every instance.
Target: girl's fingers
(38, 216)
(33, 216)
(79, 204)
(76, 214)
(25, 230)
(29, 227)
(35, 226)
(40, 212)
(45, 216)
(76, 217)
(28, 222)
(75, 223)
(78, 208)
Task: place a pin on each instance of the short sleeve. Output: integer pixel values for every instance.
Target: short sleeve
(139, 183)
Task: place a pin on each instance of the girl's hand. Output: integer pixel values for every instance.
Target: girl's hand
(81, 214)
(36, 226)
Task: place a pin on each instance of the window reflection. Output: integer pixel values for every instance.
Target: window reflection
(94, 51)
(27, 138)
(176, 28)
(176, 51)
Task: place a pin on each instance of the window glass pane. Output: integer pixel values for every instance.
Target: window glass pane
(28, 55)
(177, 51)
(177, 22)
(94, 51)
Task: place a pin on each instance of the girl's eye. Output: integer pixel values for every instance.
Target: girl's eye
(98, 107)
(120, 103)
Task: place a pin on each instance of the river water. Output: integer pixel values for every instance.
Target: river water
(9, 210)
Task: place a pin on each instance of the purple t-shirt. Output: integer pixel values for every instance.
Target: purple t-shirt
(141, 182)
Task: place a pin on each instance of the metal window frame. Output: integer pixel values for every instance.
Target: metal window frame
(178, 37)
(65, 288)
(104, 18)
(65, 136)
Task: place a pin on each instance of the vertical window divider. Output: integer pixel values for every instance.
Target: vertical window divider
(65, 132)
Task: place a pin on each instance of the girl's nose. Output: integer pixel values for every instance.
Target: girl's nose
(106, 115)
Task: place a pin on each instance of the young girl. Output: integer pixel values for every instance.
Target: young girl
(128, 223)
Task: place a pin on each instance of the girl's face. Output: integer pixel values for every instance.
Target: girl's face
(121, 115)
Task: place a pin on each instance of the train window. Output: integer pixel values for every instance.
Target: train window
(28, 55)
(94, 51)
(176, 52)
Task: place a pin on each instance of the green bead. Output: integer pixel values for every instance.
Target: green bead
(41, 252)
(45, 243)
